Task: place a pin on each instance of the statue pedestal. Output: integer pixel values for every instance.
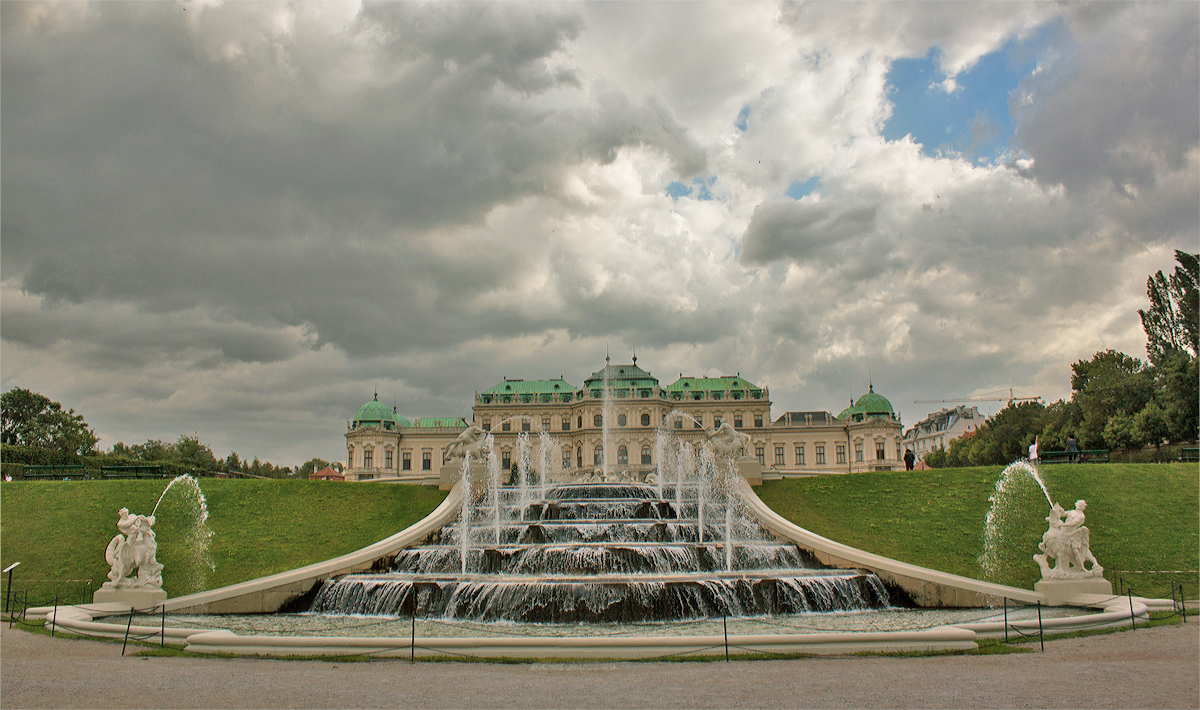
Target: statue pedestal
(1058, 591)
(477, 474)
(750, 469)
(447, 477)
(136, 598)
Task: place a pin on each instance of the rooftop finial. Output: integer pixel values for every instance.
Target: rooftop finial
(376, 390)
(606, 354)
(634, 354)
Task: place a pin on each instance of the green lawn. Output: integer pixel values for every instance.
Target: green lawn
(1141, 517)
(58, 530)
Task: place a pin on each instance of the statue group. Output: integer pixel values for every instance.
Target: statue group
(1068, 542)
(133, 548)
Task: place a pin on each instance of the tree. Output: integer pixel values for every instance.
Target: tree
(30, 419)
(1002, 439)
(310, 467)
(1171, 323)
(1110, 384)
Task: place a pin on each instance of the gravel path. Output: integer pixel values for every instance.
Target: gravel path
(1152, 668)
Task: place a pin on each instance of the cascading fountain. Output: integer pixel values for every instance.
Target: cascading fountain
(604, 552)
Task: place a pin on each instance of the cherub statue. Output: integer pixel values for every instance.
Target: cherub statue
(727, 441)
(135, 549)
(1068, 541)
(472, 441)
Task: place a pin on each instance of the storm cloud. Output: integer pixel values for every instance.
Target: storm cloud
(237, 219)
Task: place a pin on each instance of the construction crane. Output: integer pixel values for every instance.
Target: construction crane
(1010, 399)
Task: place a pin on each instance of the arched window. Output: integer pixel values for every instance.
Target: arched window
(622, 456)
(646, 453)
(621, 420)
(598, 420)
(350, 457)
(645, 420)
(598, 456)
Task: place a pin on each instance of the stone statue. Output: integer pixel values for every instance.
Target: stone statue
(472, 441)
(652, 479)
(134, 549)
(1068, 541)
(727, 441)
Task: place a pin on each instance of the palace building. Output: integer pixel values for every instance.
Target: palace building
(381, 444)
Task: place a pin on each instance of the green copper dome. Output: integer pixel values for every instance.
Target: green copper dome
(870, 405)
(375, 413)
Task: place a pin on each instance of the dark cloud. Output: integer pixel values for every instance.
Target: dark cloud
(239, 219)
(805, 232)
(1118, 108)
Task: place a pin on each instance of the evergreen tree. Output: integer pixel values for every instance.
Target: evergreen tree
(1171, 323)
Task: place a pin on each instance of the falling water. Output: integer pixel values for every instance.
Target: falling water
(1010, 518)
(196, 536)
(523, 466)
(464, 520)
(605, 423)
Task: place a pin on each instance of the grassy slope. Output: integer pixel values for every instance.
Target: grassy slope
(1142, 516)
(58, 530)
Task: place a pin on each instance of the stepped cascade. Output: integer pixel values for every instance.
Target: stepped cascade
(602, 552)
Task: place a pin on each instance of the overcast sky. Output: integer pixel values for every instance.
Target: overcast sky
(235, 220)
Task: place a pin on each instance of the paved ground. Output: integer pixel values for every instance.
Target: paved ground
(1157, 668)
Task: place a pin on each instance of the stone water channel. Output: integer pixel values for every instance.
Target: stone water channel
(602, 553)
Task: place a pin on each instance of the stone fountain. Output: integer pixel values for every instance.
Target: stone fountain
(603, 547)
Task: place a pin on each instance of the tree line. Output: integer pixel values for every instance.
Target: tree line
(1117, 401)
(37, 431)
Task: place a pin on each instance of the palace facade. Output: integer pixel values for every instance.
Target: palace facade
(866, 436)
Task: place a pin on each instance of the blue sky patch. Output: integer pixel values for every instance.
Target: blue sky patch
(975, 119)
(799, 189)
(742, 118)
(698, 186)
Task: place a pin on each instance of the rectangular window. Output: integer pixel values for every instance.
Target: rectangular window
(678, 422)
(716, 422)
(350, 460)
(858, 451)
(506, 462)
(566, 425)
(524, 425)
(737, 421)
(545, 423)
(841, 453)
(698, 423)
(566, 460)
(426, 461)
(779, 455)
(387, 460)
(406, 461)
(579, 458)
(820, 453)
(758, 420)
(506, 426)
(880, 454)
(800, 455)
(486, 424)
(760, 455)
(898, 457)
(367, 458)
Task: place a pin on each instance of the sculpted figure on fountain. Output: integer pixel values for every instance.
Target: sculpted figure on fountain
(1068, 542)
(473, 441)
(134, 549)
(727, 441)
